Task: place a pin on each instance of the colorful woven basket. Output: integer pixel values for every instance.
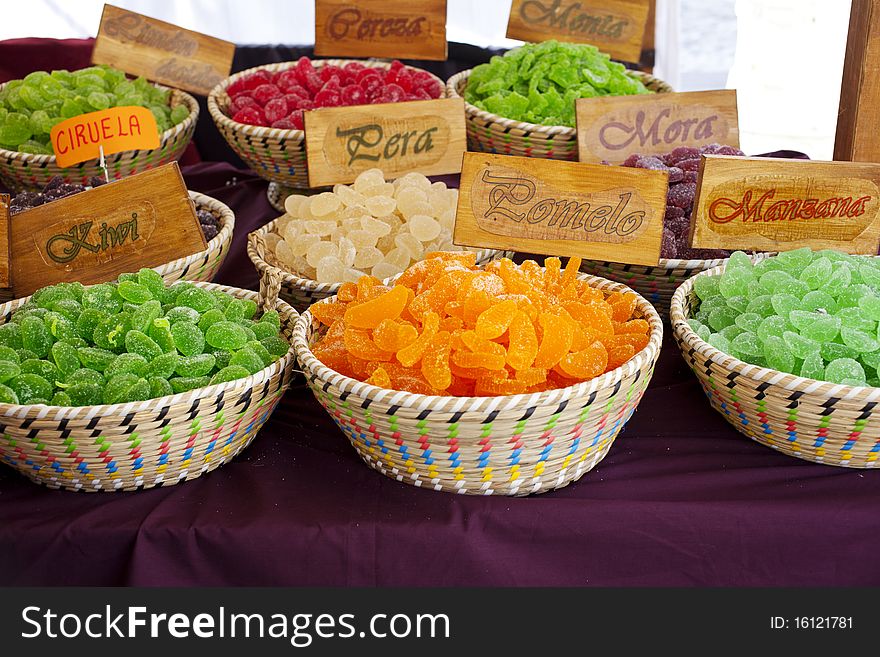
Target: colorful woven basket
(657, 284)
(27, 172)
(813, 420)
(277, 155)
(514, 445)
(491, 133)
(303, 292)
(138, 445)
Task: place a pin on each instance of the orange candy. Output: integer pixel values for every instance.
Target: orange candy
(449, 328)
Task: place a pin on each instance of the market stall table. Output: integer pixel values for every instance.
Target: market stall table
(681, 499)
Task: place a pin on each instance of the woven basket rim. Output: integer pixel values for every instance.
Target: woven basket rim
(124, 408)
(166, 136)
(224, 235)
(642, 359)
(460, 79)
(262, 265)
(221, 119)
(677, 263)
(791, 382)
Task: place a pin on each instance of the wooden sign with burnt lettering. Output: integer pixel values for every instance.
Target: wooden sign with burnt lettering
(610, 128)
(161, 52)
(771, 204)
(427, 136)
(381, 28)
(614, 26)
(4, 241)
(143, 220)
(561, 208)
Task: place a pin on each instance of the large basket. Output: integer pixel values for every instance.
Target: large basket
(812, 420)
(491, 133)
(159, 442)
(277, 155)
(27, 172)
(512, 445)
(658, 283)
(303, 292)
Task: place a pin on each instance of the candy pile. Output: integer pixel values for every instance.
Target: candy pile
(539, 82)
(135, 340)
(56, 188)
(371, 227)
(449, 328)
(278, 99)
(29, 108)
(682, 164)
(814, 314)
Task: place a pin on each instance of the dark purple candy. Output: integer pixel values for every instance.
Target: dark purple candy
(673, 212)
(56, 181)
(210, 232)
(692, 164)
(682, 196)
(675, 175)
(207, 218)
(632, 160)
(690, 177)
(651, 163)
(682, 153)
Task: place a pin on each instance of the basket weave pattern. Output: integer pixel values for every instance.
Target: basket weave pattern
(303, 292)
(274, 154)
(27, 172)
(512, 445)
(137, 445)
(657, 284)
(490, 133)
(813, 420)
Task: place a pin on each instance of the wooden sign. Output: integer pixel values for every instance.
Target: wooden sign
(161, 52)
(611, 128)
(4, 241)
(381, 28)
(561, 208)
(116, 129)
(772, 204)
(143, 220)
(427, 136)
(614, 26)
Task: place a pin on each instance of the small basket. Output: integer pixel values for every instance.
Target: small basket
(813, 420)
(303, 292)
(277, 155)
(491, 133)
(28, 172)
(203, 266)
(139, 445)
(658, 283)
(510, 445)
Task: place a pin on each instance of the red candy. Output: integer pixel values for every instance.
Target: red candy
(279, 99)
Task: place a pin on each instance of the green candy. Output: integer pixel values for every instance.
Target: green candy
(196, 366)
(188, 339)
(272, 317)
(162, 366)
(813, 367)
(127, 363)
(142, 316)
(845, 370)
(160, 333)
(858, 340)
(95, 358)
(230, 373)
(267, 358)
(137, 342)
(778, 355)
(210, 318)
(110, 333)
(86, 394)
(182, 314)
(248, 359)
(196, 298)
(705, 287)
(800, 346)
(10, 336)
(88, 321)
(85, 375)
(61, 398)
(35, 336)
(44, 368)
(126, 387)
(718, 319)
(276, 346)
(159, 387)
(8, 370)
(153, 281)
(748, 321)
(8, 353)
(7, 395)
(185, 383)
(28, 387)
(65, 357)
(102, 297)
(226, 335)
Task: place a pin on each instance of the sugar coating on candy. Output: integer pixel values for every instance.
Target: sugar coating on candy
(371, 227)
(680, 197)
(448, 327)
(539, 83)
(278, 98)
(92, 354)
(813, 314)
(32, 106)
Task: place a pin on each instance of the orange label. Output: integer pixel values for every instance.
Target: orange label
(116, 129)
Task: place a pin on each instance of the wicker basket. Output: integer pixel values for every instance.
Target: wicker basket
(303, 292)
(513, 445)
(277, 155)
(491, 133)
(657, 284)
(27, 172)
(813, 420)
(138, 445)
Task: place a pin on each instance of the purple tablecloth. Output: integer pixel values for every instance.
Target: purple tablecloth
(681, 499)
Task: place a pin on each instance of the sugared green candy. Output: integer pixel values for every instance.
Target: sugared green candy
(135, 340)
(32, 106)
(814, 314)
(539, 82)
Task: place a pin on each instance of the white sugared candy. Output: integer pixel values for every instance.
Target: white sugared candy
(370, 227)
